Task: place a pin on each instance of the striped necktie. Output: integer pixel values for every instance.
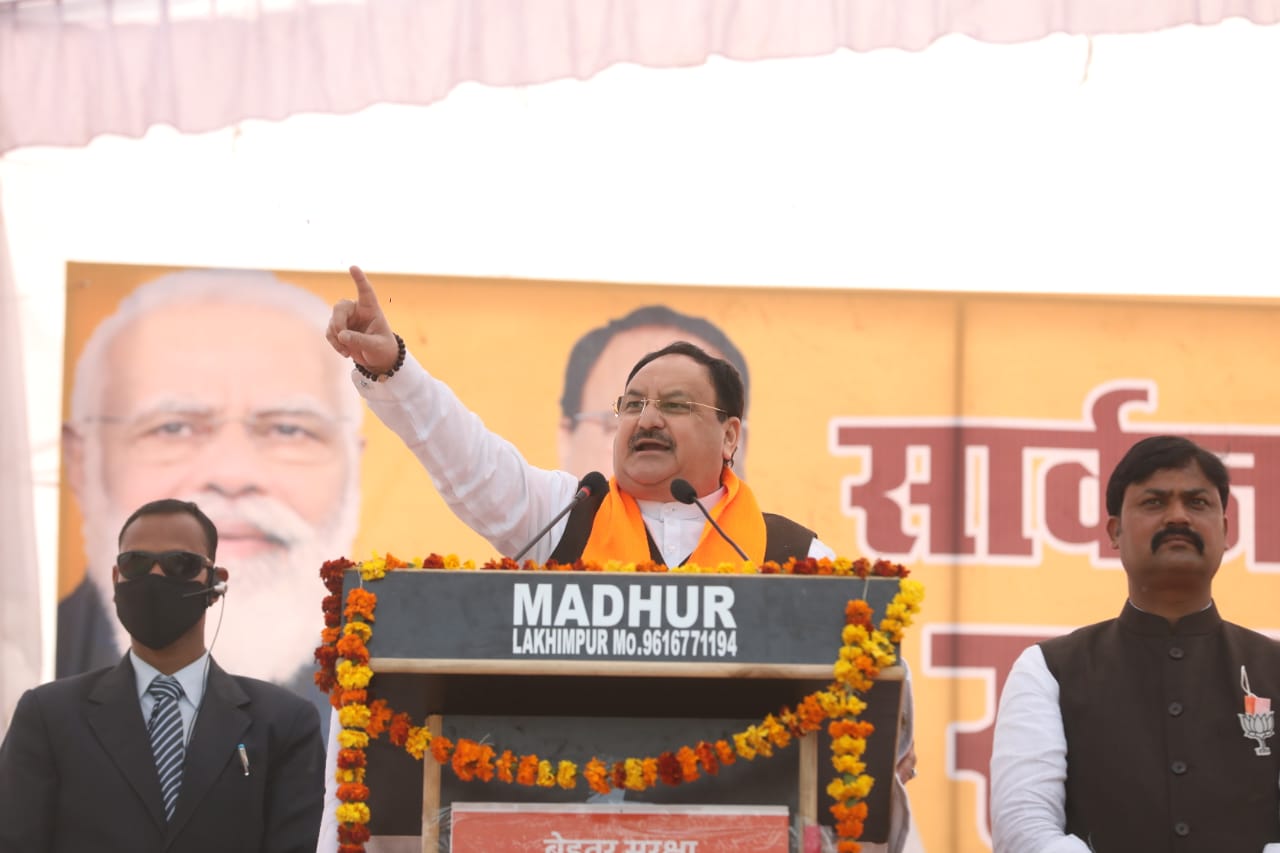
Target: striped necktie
(165, 728)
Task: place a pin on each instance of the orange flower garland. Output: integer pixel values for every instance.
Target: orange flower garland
(841, 567)
(344, 673)
(344, 661)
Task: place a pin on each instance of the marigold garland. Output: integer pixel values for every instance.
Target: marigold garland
(377, 567)
(344, 674)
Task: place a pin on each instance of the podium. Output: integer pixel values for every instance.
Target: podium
(570, 664)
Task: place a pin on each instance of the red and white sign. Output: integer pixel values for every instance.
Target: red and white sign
(617, 828)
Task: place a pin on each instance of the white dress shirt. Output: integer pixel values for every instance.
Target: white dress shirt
(192, 677)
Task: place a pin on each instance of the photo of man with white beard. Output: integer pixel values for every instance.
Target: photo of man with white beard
(217, 387)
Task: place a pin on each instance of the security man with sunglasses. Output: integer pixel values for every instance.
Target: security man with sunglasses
(164, 751)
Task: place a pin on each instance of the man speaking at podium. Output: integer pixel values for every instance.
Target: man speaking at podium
(673, 499)
(679, 419)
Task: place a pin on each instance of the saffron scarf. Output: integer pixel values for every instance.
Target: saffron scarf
(618, 531)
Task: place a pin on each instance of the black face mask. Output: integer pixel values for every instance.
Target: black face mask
(157, 609)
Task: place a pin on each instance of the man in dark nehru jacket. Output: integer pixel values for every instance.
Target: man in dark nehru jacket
(1153, 731)
(164, 751)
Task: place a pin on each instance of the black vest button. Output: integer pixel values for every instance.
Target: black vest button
(1178, 767)
(1181, 829)
(1177, 654)
(1175, 709)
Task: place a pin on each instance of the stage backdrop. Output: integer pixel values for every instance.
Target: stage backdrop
(969, 436)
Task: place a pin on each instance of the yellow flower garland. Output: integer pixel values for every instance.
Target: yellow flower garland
(864, 651)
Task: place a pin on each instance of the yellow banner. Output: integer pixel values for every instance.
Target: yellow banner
(969, 436)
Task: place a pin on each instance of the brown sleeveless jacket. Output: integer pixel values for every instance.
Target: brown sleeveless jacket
(1156, 757)
(784, 537)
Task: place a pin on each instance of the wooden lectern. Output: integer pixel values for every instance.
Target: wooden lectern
(614, 665)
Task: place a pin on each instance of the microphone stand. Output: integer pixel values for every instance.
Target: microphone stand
(684, 492)
(577, 496)
(593, 483)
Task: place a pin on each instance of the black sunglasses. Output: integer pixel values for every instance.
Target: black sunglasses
(184, 565)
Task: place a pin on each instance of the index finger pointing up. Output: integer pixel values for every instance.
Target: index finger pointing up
(364, 290)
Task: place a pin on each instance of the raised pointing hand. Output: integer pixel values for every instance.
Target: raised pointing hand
(360, 330)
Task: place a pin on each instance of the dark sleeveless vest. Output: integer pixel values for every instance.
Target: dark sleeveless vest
(1156, 757)
(783, 537)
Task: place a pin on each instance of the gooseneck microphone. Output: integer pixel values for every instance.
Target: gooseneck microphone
(592, 484)
(683, 491)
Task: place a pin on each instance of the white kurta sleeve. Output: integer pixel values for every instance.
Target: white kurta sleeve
(481, 476)
(1029, 764)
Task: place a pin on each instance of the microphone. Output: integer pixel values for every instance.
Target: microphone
(592, 484)
(219, 588)
(683, 491)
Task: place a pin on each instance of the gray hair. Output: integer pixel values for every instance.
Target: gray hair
(240, 287)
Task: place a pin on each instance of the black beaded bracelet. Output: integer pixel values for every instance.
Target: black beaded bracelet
(369, 374)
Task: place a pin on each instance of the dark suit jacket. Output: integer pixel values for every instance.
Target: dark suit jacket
(87, 640)
(77, 774)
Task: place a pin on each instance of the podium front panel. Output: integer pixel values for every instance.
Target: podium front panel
(571, 665)
(518, 621)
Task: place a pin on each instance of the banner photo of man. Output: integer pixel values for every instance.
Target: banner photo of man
(211, 386)
(968, 436)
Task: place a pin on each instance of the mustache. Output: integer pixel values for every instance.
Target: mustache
(650, 435)
(276, 521)
(1185, 532)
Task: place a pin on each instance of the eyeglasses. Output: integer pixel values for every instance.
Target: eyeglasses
(633, 407)
(607, 420)
(183, 565)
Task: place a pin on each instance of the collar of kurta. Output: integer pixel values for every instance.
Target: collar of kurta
(1141, 622)
(618, 531)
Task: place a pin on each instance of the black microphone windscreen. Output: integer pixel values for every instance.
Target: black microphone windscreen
(592, 484)
(595, 484)
(683, 491)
